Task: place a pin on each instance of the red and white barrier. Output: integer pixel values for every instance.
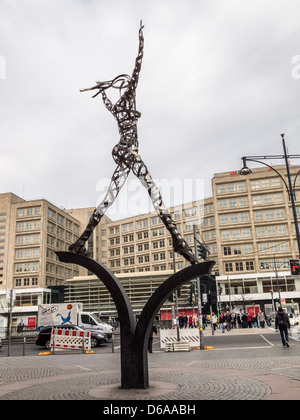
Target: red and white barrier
(63, 338)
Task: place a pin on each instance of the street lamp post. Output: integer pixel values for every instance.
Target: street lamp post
(289, 187)
(277, 279)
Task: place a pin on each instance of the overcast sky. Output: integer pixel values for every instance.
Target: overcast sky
(220, 79)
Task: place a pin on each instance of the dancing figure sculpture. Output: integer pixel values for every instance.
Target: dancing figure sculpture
(127, 158)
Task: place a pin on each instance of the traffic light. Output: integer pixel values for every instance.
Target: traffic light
(295, 270)
(191, 295)
(171, 298)
(209, 300)
(202, 251)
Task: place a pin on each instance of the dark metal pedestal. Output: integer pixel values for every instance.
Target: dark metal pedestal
(134, 337)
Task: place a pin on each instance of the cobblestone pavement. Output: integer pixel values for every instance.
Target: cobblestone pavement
(273, 373)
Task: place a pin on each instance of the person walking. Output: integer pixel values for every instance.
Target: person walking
(228, 320)
(150, 340)
(261, 319)
(239, 320)
(181, 320)
(195, 321)
(268, 319)
(244, 320)
(282, 323)
(214, 320)
(249, 320)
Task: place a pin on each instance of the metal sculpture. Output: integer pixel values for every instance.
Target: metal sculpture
(134, 337)
(127, 158)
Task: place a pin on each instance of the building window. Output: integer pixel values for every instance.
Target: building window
(246, 233)
(236, 234)
(249, 265)
(259, 215)
(227, 250)
(232, 202)
(225, 234)
(239, 266)
(237, 249)
(228, 267)
(221, 189)
(243, 201)
(222, 204)
(18, 268)
(257, 199)
(254, 185)
(248, 249)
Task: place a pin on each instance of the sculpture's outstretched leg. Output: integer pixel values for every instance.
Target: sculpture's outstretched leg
(179, 243)
(117, 181)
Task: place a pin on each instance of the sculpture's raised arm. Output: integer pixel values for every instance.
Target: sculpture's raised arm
(107, 102)
(138, 60)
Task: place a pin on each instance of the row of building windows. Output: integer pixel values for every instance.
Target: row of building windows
(59, 244)
(154, 221)
(255, 185)
(269, 285)
(29, 211)
(28, 239)
(239, 266)
(32, 225)
(258, 216)
(140, 259)
(235, 202)
(28, 253)
(265, 264)
(261, 231)
(63, 221)
(27, 281)
(27, 267)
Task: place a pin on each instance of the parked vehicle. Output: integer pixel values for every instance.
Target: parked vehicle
(71, 313)
(44, 337)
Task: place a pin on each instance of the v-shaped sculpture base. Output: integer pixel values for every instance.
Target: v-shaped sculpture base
(134, 337)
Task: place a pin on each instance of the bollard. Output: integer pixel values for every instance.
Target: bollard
(201, 339)
(112, 343)
(24, 343)
(83, 343)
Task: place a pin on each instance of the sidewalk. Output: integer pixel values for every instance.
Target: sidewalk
(179, 376)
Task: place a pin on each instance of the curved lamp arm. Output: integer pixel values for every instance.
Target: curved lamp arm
(273, 169)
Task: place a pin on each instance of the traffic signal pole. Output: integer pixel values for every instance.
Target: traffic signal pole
(176, 302)
(199, 298)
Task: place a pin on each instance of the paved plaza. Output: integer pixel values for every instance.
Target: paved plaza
(262, 371)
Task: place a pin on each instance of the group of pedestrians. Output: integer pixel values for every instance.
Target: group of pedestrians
(187, 321)
(230, 320)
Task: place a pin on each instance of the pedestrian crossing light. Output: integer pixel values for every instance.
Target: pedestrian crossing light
(294, 265)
